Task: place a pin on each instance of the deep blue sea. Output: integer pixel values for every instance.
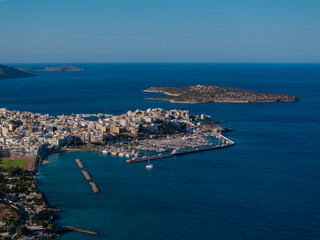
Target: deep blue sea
(265, 187)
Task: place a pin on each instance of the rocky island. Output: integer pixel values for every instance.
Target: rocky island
(62, 68)
(206, 94)
(11, 72)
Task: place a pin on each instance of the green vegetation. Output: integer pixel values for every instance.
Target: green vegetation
(42, 219)
(9, 216)
(21, 163)
(166, 128)
(24, 182)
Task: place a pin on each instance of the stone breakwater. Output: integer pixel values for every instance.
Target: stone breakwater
(80, 164)
(87, 176)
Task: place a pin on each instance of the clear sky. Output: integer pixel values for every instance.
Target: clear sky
(159, 31)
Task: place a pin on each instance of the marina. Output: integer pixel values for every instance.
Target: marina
(177, 153)
(226, 142)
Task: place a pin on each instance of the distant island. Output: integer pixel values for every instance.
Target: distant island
(62, 68)
(207, 94)
(11, 72)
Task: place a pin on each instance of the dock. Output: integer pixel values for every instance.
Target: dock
(95, 187)
(87, 175)
(80, 164)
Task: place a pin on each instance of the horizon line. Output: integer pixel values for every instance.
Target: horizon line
(70, 62)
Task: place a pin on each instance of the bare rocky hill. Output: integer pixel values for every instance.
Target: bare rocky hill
(206, 94)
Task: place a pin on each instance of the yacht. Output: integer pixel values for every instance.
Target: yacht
(149, 165)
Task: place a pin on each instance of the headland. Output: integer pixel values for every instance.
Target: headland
(11, 72)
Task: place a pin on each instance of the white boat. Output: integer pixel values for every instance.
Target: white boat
(120, 155)
(104, 151)
(127, 155)
(149, 165)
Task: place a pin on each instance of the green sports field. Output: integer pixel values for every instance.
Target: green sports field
(22, 163)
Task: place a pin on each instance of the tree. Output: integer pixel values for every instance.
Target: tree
(51, 226)
(32, 218)
(21, 230)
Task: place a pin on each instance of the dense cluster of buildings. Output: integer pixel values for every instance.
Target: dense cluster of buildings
(27, 134)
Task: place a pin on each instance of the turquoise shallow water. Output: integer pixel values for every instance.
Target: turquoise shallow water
(265, 187)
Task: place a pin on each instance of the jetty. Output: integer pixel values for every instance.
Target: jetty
(95, 187)
(80, 164)
(74, 229)
(87, 175)
(226, 143)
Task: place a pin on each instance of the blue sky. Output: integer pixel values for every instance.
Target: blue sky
(159, 31)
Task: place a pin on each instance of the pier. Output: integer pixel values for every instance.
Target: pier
(95, 187)
(80, 164)
(87, 175)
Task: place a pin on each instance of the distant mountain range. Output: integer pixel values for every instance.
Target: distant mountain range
(62, 68)
(11, 72)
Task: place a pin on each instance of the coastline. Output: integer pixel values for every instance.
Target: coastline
(59, 229)
(185, 102)
(170, 136)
